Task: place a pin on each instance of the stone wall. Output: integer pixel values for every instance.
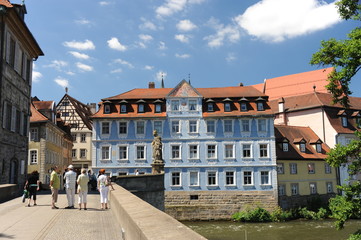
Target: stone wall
(8, 191)
(215, 205)
(288, 202)
(149, 188)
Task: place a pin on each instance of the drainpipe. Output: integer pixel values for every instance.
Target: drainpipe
(2, 41)
(323, 125)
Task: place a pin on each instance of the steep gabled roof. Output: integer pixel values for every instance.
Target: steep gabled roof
(36, 116)
(184, 89)
(295, 84)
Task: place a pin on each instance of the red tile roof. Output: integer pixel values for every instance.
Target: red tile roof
(48, 105)
(36, 116)
(295, 84)
(6, 3)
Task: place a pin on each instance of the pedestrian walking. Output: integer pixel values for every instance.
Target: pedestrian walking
(70, 180)
(103, 188)
(32, 185)
(83, 181)
(54, 185)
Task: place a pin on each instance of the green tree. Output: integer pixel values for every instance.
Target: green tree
(345, 57)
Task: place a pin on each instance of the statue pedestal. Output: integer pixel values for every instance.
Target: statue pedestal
(157, 167)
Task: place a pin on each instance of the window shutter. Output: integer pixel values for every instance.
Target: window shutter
(4, 115)
(13, 119)
(8, 43)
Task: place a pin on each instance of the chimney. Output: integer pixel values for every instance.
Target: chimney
(151, 85)
(241, 84)
(281, 111)
(92, 107)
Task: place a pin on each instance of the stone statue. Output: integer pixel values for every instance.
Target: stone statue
(157, 148)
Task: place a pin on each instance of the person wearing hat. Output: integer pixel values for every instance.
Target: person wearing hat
(70, 180)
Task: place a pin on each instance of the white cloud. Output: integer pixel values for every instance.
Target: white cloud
(173, 6)
(86, 45)
(104, 3)
(62, 82)
(278, 20)
(36, 76)
(70, 73)
(118, 70)
(57, 64)
(145, 37)
(114, 43)
(84, 67)
(224, 33)
(162, 46)
(123, 62)
(82, 21)
(184, 56)
(186, 26)
(160, 75)
(79, 55)
(182, 38)
(147, 25)
(231, 57)
(147, 67)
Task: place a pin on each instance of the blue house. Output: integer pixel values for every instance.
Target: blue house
(218, 145)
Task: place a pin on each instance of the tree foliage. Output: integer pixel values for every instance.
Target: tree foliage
(343, 55)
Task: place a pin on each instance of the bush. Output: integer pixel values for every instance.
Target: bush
(256, 215)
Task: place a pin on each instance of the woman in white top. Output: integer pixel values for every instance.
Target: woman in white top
(103, 188)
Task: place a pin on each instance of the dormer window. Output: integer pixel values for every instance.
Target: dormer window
(227, 104)
(260, 104)
(192, 105)
(123, 106)
(285, 146)
(318, 147)
(243, 103)
(343, 115)
(344, 121)
(141, 108)
(303, 147)
(210, 105)
(301, 144)
(107, 108)
(158, 106)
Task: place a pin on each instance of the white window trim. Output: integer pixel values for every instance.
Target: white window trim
(160, 133)
(136, 152)
(189, 127)
(251, 150)
(136, 128)
(269, 178)
(37, 157)
(101, 128)
(266, 125)
(234, 177)
(101, 152)
(189, 178)
(207, 176)
(123, 134)
(171, 151)
(214, 121)
(171, 105)
(179, 127)
(86, 153)
(249, 125)
(171, 178)
(189, 105)
(224, 127)
(268, 150)
(215, 150)
(189, 151)
(127, 150)
(233, 150)
(252, 178)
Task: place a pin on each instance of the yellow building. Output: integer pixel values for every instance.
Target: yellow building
(50, 141)
(304, 177)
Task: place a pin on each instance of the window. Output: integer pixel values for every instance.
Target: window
(33, 134)
(247, 178)
(105, 127)
(82, 153)
(193, 151)
(175, 105)
(318, 147)
(246, 150)
(28, 70)
(344, 121)
(329, 187)
(141, 108)
(211, 126)
(140, 127)
(65, 103)
(192, 105)
(211, 151)
(33, 156)
(73, 153)
(176, 178)
(210, 107)
(193, 178)
(107, 108)
(281, 190)
(265, 178)
(176, 151)
(83, 137)
(245, 125)
(302, 147)
(175, 127)
(158, 108)
(212, 178)
(123, 108)
(12, 52)
(123, 152)
(285, 147)
(123, 127)
(280, 168)
(227, 107)
(229, 151)
(260, 106)
(73, 135)
(328, 168)
(228, 126)
(263, 150)
(311, 168)
(158, 126)
(261, 125)
(244, 107)
(140, 152)
(230, 178)
(313, 188)
(294, 189)
(293, 168)
(105, 153)
(193, 126)
(65, 114)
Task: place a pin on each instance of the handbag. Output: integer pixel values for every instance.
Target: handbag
(25, 195)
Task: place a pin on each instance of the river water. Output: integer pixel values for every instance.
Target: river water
(291, 230)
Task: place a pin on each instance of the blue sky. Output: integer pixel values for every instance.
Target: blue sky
(100, 49)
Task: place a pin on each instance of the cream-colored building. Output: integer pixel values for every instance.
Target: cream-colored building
(77, 116)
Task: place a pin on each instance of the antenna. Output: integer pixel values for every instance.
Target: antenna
(162, 82)
(66, 90)
(189, 78)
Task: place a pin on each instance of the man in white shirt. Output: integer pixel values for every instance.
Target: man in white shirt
(70, 179)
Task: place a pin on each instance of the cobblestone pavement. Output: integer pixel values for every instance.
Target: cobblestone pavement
(17, 221)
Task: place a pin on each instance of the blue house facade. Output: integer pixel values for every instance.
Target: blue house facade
(218, 145)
